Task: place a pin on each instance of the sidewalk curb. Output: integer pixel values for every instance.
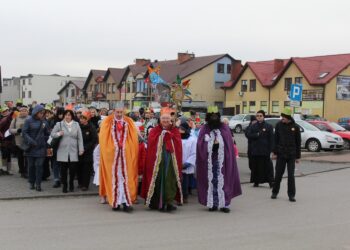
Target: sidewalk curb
(48, 196)
(96, 193)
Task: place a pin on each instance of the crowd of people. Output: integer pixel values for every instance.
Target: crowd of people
(158, 157)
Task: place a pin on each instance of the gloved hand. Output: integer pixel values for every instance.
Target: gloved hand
(186, 165)
(19, 131)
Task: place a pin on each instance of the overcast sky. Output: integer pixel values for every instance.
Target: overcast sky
(73, 36)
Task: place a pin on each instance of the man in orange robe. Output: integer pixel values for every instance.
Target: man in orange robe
(118, 140)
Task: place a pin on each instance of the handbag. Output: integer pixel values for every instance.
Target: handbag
(25, 146)
(55, 142)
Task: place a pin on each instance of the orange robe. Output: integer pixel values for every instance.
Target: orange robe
(108, 160)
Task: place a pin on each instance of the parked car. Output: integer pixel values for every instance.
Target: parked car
(344, 122)
(312, 138)
(228, 117)
(298, 117)
(334, 128)
(239, 122)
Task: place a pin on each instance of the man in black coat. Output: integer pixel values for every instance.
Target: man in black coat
(287, 152)
(260, 136)
(86, 160)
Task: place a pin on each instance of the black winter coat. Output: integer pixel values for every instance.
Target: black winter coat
(260, 136)
(287, 140)
(89, 140)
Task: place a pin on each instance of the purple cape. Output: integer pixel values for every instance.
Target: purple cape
(232, 185)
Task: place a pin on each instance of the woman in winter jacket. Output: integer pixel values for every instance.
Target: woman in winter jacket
(69, 148)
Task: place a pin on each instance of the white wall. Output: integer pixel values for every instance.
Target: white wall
(10, 90)
(44, 88)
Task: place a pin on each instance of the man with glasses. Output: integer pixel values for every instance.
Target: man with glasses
(260, 135)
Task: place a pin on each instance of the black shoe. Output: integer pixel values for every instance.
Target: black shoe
(32, 187)
(274, 196)
(64, 189)
(38, 188)
(116, 208)
(127, 209)
(71, 189)
(212, 209)
(170, 208)
(225, 210)
(256, 185)
(57, 184)
(292, 199)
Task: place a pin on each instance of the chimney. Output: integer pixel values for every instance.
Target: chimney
(277, 65)
(236, 67)
(184, 57)
(142, 62)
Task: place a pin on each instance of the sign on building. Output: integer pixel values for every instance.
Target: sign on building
(296, 92)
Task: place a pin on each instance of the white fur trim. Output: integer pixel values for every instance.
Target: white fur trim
(221, 156)
(126, 189)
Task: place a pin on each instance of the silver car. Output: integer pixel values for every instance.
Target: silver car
(312, 138)
(240, 122)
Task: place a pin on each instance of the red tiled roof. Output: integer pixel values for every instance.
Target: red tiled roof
(264, 71)
(313, 67)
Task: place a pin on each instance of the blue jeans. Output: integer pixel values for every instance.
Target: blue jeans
(35, 169)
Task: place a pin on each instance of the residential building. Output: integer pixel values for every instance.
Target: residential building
(42, 88)
(207, 74)
(95, 89)
(251, 90)
(325, 81)
(114, 79)
(72, 92)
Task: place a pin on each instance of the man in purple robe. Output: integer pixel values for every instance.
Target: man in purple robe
(217, 173)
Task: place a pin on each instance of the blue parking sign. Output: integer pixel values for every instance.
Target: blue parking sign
(296, 92)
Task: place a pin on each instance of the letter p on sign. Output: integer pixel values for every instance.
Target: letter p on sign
(296, 92)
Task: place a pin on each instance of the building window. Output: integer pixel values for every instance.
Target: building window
(221, 68)
(286, 104)
(218, 85)
(29, 94)
(24, 82)
(252, 107)
(287, 83)
(245, 108)
(244, 86)
(114, 87)
(252, 85)
(275, 107)
(263, 106)
(134, 85)
(72, 92)
(30, 81)
(298, 79)
(23, 94)
(228, 68)
(67, 92)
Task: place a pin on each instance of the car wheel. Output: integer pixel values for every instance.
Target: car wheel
(238, 129)
(346, 144)
(313, 145)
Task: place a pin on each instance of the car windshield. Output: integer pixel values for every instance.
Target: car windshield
(238, 117)
(336, 127)
(307, 126)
